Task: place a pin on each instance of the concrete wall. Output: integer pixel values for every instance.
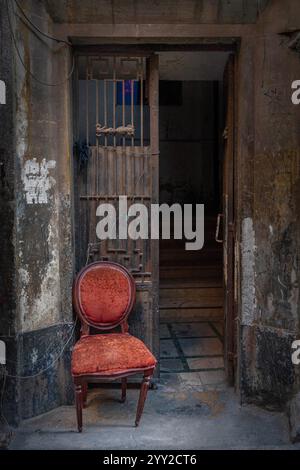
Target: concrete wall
(268, 173)
(267, 198)
(8, 297)
(42, 233)
(155, 12)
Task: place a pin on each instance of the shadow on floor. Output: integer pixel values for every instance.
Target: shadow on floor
(178, 415)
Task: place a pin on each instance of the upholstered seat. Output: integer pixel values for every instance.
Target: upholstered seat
(103, 297)
(110, 354)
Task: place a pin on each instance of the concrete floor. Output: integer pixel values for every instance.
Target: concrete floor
(180, 414)
(192, 347)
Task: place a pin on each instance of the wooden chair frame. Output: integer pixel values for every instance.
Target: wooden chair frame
(81, 381)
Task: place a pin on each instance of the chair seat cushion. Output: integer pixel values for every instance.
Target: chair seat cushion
(109, 354)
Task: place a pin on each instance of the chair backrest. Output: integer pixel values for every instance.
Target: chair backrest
(103, 295)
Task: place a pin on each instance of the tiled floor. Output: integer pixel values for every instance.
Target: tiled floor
(194, 351)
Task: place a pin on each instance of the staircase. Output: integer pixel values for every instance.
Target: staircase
(191, 286)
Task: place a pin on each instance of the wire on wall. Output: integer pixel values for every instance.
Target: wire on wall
(4, 374)
(41, 82)
(38, 29)
(52, 364)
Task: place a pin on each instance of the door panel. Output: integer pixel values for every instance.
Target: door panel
(118, 97)
(229, 226)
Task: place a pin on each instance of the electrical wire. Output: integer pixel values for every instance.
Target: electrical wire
(49, 351)
(41, 82)
(5, 375)
(37, 374)
(38, 29)
(2, 397)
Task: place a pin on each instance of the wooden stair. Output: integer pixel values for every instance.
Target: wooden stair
(191, 286)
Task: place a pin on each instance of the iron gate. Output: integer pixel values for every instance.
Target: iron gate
(116, 129)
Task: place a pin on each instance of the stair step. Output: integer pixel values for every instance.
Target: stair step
(189, 272)
(191, 257)
(191, 298)
(191, 282)
(191, 314)
(209, 242)
(180, 249)
(200, 265)
(188, 283)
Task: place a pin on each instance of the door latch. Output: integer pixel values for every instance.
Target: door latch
(218, 240)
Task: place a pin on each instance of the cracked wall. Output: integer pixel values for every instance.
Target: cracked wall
(269, 180)
(42, 231)
(37, 237)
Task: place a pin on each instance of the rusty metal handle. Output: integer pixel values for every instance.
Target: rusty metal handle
(218, 228)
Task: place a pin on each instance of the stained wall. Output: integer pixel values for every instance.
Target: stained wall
(37, 261)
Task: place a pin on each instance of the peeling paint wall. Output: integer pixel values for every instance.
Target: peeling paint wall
(43, 184)
(38, 236)
(42, 222)
(8, 295)
(248, 272)
(268, 210)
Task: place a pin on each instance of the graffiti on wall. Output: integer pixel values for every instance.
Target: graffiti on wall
(38, 181)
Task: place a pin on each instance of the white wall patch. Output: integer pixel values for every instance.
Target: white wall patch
(2, 92)
(37, 180)
(2, 353)
(248, 272)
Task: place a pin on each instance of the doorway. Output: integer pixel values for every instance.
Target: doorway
(150, 126)
(193, 295)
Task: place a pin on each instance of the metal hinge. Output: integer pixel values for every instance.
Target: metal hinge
(231, 356)
(231, 227)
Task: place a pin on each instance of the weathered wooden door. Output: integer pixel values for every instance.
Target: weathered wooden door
(229, 221)
(117, 155)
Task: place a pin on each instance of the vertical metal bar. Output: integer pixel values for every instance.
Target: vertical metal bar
(132, 110)
(97, 140)
(123, 110)
(87, 101)
(97, 101)
(105, 110)
(114, 100)
(142, 102)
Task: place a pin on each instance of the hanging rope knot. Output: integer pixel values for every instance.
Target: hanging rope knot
(128, 130)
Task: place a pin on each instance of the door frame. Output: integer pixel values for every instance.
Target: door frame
(150, 50)
(229, 218)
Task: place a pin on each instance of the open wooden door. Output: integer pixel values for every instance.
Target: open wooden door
(116, 115)
(229, 222)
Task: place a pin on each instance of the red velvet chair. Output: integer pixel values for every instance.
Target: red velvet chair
(103, 297)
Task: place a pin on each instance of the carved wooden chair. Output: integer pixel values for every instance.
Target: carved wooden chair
(103, 297)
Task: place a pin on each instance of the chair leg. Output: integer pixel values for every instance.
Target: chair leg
(124, 389)
(84, 394)
(142, 398)
(79, 401)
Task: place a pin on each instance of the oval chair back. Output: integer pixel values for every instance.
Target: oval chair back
(103, 295)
